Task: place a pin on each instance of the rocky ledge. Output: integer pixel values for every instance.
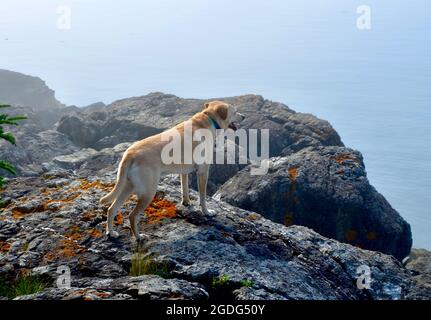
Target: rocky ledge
(66, 158)
(331, 193)
(327, 190)
(55, 221)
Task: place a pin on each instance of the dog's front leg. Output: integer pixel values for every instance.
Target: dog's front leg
(202, 186)
(185, 189)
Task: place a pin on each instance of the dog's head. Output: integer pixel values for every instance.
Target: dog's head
(223, 113)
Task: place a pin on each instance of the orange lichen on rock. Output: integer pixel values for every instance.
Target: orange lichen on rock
(252, 216)
(4, 246)
(102, 295)
(94, 233)
(19, 213)
(86, 185)
(351, 235)
(63, 200)
(293, 173)
(16, 214)
(341, 158)
(119, 219)
(160, 209)
(87, 216)
(66, 248)
(73, 233)
(48, 191)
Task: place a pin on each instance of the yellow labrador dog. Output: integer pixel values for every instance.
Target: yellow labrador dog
(141, 166)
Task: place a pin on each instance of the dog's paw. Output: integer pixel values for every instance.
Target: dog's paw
(112, 234)
(185, 202)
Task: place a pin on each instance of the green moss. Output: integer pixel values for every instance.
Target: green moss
(23, 285)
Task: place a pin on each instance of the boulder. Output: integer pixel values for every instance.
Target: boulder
(86, 161)
(136, 118)
(326, 189)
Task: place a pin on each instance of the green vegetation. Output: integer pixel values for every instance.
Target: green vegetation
(13, 121)
(142, 263)
(220, 282)
(23, 285)
(224, 281)
(246, 283)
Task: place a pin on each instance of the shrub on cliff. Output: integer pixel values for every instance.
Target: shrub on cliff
(8, 136)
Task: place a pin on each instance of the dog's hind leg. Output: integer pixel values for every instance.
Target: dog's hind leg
(145, 184)
(113, 209)
(135, 215)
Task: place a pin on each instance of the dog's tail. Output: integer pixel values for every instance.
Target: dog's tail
(121, 181)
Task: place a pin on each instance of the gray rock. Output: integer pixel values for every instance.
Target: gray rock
(34, 149)
(20, 89)
(146, 287)
(36, 140)
(88, 161)
(103, 127)
(228, 253)
(419, 262)
(74, 160)
(132, 119)
(326, 189)
(136, 118)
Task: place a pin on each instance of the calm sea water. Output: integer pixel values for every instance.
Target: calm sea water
(372, 85)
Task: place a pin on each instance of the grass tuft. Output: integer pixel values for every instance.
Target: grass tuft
(142, 264)
(25, 284)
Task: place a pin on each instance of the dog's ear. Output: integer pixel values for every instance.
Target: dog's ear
(206, 105)
(222, 112)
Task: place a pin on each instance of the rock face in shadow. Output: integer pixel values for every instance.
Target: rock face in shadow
(20, 89)
(326, 189)
(55, 220)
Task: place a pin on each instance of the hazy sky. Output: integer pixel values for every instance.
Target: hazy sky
(218, 47)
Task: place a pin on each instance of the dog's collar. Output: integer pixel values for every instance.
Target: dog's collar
(214, 123)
